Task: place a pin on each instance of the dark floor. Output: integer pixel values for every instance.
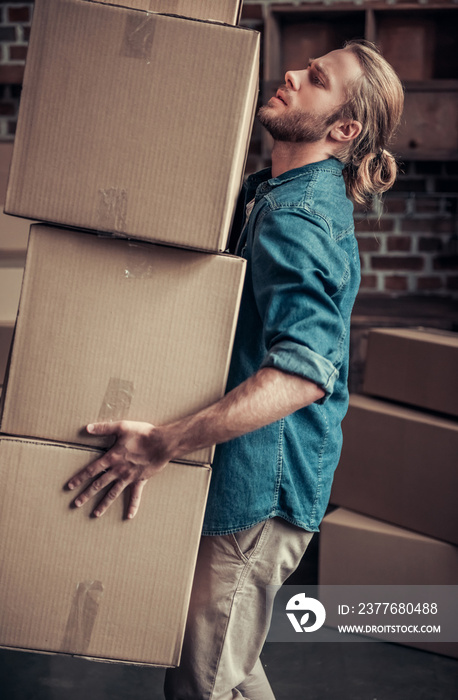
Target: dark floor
(321, 671)
(333, 671)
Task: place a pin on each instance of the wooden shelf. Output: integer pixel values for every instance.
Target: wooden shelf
(418, 40)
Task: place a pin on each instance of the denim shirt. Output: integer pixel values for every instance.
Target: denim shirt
(302, 277)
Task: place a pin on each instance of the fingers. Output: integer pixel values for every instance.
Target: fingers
(89, 472)
(135, 498)
(114, 493)
(95, 487)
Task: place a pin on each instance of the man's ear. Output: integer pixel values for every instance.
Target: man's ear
(345, 131)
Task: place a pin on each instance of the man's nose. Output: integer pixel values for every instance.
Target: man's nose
(293, 79)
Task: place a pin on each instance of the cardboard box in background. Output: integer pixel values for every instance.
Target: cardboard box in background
(107, 588)
(110, 329)
(14, 231)
(6, 338)
(227, 11)
(10, 290)
(399, 465)
(414, 366)
(357, 550)
(121, 133)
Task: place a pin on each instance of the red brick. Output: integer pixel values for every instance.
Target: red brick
(362, 210)
(445, 262)
(19, 14)
(397, 262)
(368, 281)
(409, 185)
(18, 53)
(368, 244)
(427, 206)
(252, 12)
(396, 283)
(11, 74)
(363, 225)
(430, 244)
(425, 284)
(394, 205)
(7, 33)
(402, 243)
(7, 109)
(436, 225)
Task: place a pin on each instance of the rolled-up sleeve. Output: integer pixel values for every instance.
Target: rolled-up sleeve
(299, 272)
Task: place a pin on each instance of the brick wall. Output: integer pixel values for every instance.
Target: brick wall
(408, 248)
(15, 18)
(411, 245)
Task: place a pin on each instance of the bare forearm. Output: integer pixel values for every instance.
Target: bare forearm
(142, 449)
(267, 396)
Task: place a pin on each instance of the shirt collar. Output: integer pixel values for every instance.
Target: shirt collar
(265, 176)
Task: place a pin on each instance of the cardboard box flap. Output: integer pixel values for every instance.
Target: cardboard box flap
(415, 366)
(421, 334)
(226, 11)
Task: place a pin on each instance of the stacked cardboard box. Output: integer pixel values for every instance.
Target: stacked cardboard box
(13, 244)
(132, 138)
(398, 466)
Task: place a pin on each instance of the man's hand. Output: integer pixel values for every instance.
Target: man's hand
(142, 449)
(138, 453)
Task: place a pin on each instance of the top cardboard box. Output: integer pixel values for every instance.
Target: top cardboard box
(414, 366)
(134, 123)
(227, 11)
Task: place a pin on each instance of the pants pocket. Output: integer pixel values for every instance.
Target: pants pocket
(245, 542)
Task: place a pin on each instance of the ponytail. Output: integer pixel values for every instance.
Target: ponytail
(375, 174)
(376, 100)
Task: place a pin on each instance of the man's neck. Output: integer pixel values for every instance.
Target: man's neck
(287, 156)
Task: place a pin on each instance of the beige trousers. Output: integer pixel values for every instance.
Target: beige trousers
(228, 617)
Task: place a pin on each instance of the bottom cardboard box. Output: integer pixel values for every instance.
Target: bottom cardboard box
(357, 550)
(107, 588)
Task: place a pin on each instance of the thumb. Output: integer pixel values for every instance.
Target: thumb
(103, 428)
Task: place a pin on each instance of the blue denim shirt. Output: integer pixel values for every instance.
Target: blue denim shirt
(302, 277)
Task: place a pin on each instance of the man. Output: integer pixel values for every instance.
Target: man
(278, 426)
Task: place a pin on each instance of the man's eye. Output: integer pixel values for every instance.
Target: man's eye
(316, 80)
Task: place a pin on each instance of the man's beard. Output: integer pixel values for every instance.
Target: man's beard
(296, 126)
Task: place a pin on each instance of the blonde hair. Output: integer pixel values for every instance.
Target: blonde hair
(376, 100)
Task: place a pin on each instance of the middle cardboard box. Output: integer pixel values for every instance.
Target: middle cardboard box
(110, 329)
(134, 123)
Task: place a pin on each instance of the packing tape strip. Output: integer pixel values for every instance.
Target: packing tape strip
(112, 209)
(138, 35)
(81, 619)
(139, 261)
(117, 400)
